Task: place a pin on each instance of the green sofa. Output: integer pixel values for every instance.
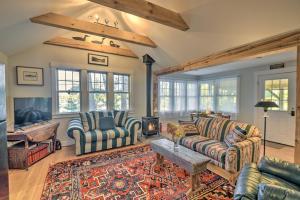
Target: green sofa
(271, 179)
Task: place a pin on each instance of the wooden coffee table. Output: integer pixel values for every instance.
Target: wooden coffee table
(194, 163)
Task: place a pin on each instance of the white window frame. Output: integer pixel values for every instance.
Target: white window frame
(122, 92)
(106, 91)
(57, 91)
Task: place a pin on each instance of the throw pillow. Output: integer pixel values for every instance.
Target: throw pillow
(107, 123)
(120, 117)
(88, 121)
(236, 135)
(99, 114)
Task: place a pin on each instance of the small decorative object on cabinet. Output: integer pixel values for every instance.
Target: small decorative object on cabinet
(32, 76)
(97, 59)
(31, 144)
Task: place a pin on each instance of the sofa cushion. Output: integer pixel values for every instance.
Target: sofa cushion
(88, 121)
(211, 148)
(236, 135)
(98, 114)
(107, 123)
(98, 135)
(120, 117)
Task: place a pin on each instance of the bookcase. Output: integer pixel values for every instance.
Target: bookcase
(31, 144)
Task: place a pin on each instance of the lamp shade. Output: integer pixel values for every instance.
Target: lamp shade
(266, 104)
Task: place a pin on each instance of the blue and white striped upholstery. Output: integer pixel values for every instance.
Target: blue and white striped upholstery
(97, 140)
(120, 117)
(88, 121)
(98, 114)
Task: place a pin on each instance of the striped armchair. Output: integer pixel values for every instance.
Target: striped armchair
(97, 140)
(210, 142)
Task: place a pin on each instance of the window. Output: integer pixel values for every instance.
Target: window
(277, 90)
(207, 99)
(227, 95)
(68, 91)
(179, 96)
(192, 104)
(121, 92)
(164, 96)
(97, 84)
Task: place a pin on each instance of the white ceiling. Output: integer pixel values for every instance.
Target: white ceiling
(215, 25)
(256, 62)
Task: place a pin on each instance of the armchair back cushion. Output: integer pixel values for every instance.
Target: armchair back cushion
(120, 117)
(98, 114)
(282, 169)
(88, 121)
(217, 128)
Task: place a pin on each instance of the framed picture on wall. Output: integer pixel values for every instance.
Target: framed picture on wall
(95, 59)
(31, 76)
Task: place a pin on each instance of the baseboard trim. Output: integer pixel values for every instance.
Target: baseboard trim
(66, 143)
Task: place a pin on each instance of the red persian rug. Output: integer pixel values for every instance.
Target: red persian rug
(128, 174)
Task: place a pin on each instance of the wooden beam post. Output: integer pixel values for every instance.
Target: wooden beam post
(72, 24)
(277, 43)
(75, 44)
(147, 10)
(297, 141)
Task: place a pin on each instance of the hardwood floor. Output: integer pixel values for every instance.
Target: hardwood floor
(28, 185)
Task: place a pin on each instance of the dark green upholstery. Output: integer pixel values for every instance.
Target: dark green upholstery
(270, 179)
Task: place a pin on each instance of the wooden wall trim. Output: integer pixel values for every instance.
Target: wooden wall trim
(297, 138)
(72, 24)
(147, 10)
(267, 45)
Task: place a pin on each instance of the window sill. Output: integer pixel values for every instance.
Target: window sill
(65, 115)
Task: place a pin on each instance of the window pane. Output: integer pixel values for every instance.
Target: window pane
(97, 101)
(121, 101)
(97, 82)
(192, 104)
(206, 103)
(277, 91)
(165, 104)
(207, 96)
(68, 102)
(227, 104)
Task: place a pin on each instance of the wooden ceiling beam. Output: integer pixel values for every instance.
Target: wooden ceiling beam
(75, 44)
(72, 24)
(253, 49)
(147, 10)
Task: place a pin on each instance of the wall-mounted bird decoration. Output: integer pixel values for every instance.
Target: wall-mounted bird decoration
(98, 42)
(112, 44)
(81, 38)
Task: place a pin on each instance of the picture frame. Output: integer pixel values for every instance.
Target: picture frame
(30, 76)
(96, 59)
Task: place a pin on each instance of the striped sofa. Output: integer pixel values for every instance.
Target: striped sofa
(209, 141)
(96, 140)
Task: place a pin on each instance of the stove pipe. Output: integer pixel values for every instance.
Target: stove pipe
(148, 60)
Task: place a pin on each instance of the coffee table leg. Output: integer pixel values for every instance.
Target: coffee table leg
(159, 159)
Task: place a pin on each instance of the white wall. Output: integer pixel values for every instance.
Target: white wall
(42, 55)
(248, 93)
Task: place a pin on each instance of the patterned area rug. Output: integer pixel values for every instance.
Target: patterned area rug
(128, 174)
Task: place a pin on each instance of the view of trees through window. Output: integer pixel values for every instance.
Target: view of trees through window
(121, 92)
(68, 91)
(97, 90)
(277, 90)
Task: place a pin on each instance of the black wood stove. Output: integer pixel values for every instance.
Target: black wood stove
(150, 124)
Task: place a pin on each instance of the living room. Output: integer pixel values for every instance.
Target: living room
(149, 99)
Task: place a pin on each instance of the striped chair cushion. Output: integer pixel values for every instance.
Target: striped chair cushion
(88, 121)
(208, 147)
(120, 117)
(98, 135)
(98, 114)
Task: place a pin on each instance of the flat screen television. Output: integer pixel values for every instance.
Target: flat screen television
(32, 110)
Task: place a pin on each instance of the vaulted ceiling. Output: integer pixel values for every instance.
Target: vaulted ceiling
(214, 25)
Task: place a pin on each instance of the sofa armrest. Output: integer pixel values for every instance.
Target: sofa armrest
(241, 153)
(283, 169)
(74, 125)
(274, 192)
(247, 183)
(133, 126)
